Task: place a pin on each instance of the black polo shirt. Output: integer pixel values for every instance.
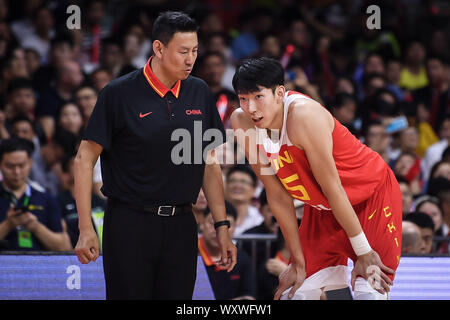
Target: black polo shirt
(134, 119)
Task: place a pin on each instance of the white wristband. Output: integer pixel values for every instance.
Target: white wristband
(360, 244)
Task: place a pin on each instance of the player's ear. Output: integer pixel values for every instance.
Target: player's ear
(280, 91)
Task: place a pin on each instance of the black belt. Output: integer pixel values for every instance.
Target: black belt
(164, 211)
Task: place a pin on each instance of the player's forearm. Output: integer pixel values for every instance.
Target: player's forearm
(213, 189)
(283, 210)
(343, 211)
(83, 174)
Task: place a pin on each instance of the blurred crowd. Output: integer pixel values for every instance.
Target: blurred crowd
(388, 86)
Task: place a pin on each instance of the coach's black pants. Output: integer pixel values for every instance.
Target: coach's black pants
(146, 256)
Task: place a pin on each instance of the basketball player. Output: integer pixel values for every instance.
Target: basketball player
(353, 201)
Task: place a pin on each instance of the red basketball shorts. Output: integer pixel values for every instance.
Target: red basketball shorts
(325, 243)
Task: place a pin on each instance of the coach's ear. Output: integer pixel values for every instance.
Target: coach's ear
(157, 48)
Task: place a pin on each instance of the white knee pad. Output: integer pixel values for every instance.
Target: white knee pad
(364, 291)
(300, 294)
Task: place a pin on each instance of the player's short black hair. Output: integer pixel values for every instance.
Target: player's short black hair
(229, 209)
(421, 219)
(14, 144)
(170, 22)
(253, 74)
(245, 169)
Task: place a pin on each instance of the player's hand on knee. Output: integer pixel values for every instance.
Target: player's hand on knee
(293, 276)
(370, 267)
(88, 247)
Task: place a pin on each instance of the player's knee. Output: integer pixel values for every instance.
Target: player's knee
(364, 291)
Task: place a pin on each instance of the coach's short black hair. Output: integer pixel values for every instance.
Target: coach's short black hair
(14, 144)
(170, 22)
(256, 73)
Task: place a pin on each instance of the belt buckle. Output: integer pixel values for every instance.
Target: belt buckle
(165, 214)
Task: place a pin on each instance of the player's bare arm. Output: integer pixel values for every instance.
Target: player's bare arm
(280, 203)
(213, 189)
(310, 127)
(87, 247)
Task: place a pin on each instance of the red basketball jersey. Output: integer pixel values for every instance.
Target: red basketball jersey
(360, 169)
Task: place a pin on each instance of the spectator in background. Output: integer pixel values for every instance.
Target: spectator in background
(30, 218)
(426, 226)
(441, 169)
(270, 47)
(393, 72)
(436, 94)
(239, 190)
(86, 97)
(411, 238)
(47, 169)
(431, 206)
(100, 78)
(407, 166)
(94, 28)
(440, 187)
(267, 227)
(344, 110)
(21, 99)
(409, 140)
(407, 196)
(238, 284)
(298, 81)
(246, 44)
(414, 75)
(427, 135)
(33, 60)
(112, 57)
(14, 66)
(434, 153)
(23, 127)
(62, 49)
(70, 118)
(345, 85)
(211, 68)
(69, 78)
(377, 139)
(43, 31)
(67, 205)
(218, 41)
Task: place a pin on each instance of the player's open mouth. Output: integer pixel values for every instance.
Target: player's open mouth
(256, 120)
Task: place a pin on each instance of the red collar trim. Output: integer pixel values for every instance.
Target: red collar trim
(204, 253)
(157, 85)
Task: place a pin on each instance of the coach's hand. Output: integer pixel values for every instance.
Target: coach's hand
(293, 276)
(370, 267)
(88, 247)
(227, 248)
